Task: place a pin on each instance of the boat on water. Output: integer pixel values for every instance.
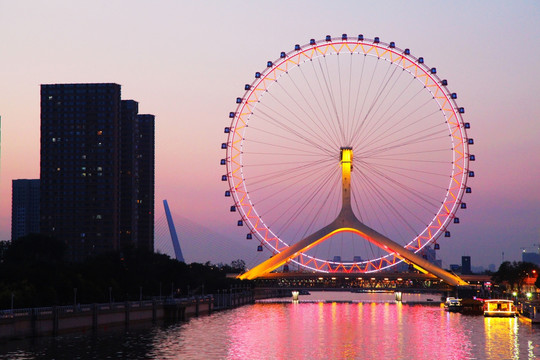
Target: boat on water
(452, 304)
(499, 308)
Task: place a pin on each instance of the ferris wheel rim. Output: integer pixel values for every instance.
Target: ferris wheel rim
(372, 47)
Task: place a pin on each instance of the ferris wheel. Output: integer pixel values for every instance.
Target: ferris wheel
(347, 103)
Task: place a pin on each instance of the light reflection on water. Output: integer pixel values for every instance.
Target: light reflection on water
(304, 331)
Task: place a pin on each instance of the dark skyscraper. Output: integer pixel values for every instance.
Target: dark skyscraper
(89, 175)
(24, 208)
(466, 265)
(146, 166)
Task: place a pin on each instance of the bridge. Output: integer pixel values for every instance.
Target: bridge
(405, 282)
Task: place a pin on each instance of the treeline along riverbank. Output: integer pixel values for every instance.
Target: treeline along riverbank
(34, 273)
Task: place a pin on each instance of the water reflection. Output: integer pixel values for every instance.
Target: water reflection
(370, 330)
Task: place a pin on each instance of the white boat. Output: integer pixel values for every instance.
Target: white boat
(499, 308)
(452, 304)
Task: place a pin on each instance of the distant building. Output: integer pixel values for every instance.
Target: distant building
(24, 207)
(90, 173)
(466, 265)
(531, 257)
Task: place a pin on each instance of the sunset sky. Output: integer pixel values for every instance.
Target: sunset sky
(187, 61)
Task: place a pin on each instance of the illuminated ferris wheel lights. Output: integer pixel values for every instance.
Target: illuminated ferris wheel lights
(281, 116)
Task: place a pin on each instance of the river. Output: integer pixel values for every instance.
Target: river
(371, 327)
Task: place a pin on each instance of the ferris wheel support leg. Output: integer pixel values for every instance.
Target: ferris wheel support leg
(292, 251)
(346, 222)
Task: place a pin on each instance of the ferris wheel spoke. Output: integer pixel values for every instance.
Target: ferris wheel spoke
(297, 132)
(388, 200)
(398, 126)
(295, 150)
(329, 88)
(331, 140)
(284, 174)
(305, 213)
(405, 173)
(331, 131)
(299, 203)
(323, 91)
(303, 125)
(372, 118)
(361, 136)
(406, 140)
(412, 194)
(375, 101)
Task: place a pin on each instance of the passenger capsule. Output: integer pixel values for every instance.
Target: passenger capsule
(238, 100)
(407, 52)
(328, 38)
(249, 236)
(257, 75)
(447, 234)
(247, 87)
(456, 220)
(468, 190)
(444, 83)
(472, 157)
(240, 223)
(433, 70)
(344, 37)
(421, 60)
(392, 44)
(222, 162)
(227, 130)
(223, 145)
(312, 42)
(259, 248)
(360, 37)
(297, 47)
(376, 40)
(233, 208)
(282, 54)
(223, 177)
(463, 206)
(227, 193)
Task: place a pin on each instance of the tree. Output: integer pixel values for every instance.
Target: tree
(514, 274)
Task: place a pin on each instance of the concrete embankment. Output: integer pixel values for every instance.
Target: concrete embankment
(51, 321)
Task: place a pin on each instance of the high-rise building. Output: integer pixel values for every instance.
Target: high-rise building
(24, 207)
(89, 174)
(530, 257)
(129, 175)
(466, 265)
(146, 165)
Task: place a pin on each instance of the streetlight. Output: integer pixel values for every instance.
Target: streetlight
(529, 296)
